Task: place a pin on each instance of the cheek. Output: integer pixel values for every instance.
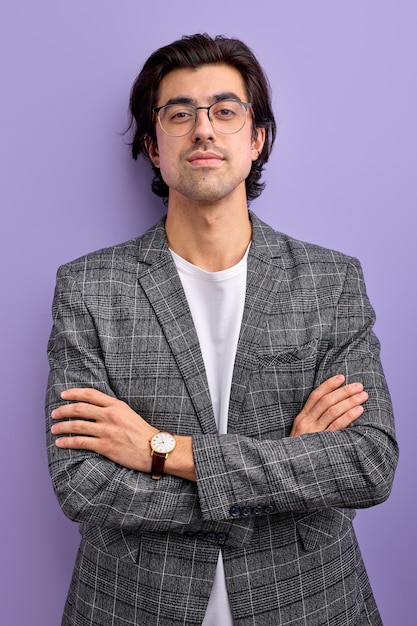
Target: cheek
(167, 168)
(163, 154)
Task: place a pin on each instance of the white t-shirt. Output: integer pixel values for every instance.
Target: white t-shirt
(216, 301)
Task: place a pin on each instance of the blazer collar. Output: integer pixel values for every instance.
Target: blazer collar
(153, 245)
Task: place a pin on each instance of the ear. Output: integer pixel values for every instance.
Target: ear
(258, 143)
(152, 149)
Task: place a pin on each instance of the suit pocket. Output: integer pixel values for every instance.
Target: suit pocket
(114, 541)
(322, 527)
(296, 355)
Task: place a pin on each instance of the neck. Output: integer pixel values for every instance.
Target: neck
(212, 238)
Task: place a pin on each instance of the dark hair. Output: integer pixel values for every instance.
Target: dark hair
(191, 52)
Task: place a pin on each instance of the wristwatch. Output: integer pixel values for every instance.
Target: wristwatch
(162, 444)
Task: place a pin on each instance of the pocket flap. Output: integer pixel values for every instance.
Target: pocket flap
(288, 355)
(322, 526)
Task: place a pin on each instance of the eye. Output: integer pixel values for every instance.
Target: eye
(180, 114)
(226, 110)
(177, 114)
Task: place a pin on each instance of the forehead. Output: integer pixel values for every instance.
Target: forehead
(201, 84)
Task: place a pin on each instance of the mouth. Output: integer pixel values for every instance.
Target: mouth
(205, 159)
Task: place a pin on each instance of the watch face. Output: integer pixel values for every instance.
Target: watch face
(163, 442)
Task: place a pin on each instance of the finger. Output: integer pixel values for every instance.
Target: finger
(76, 427)
(78, 443)
(89, 395)
(77, 409)
(342, 408)
(346, 419)
(322, 390)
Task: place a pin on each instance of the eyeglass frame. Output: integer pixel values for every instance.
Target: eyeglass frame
(246, 106)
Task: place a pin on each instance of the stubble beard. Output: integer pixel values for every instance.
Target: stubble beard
(204, 186)
(207, 185)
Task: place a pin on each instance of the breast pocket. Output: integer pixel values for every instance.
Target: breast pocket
(291, 359)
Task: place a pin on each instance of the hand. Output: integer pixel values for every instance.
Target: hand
(330, 407)
(116, 432)
(113, 429)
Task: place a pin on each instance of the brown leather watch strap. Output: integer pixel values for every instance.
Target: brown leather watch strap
(158, 462)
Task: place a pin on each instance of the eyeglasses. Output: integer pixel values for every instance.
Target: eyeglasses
(226, 117)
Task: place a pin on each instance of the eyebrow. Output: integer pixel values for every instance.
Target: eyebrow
(219, 97)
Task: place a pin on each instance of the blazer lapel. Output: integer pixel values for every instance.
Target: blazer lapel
(163, 288)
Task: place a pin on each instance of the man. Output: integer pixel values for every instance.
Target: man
(217, 402)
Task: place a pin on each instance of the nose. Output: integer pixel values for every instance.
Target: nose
(203, 128)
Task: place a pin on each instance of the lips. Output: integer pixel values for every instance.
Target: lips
(205, 158)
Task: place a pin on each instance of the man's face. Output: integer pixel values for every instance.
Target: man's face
(205, 166)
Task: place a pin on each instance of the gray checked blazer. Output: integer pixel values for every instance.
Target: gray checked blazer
(280, 509)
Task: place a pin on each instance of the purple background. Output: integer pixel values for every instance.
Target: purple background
(343, 174)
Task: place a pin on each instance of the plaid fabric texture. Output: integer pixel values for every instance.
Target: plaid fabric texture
(279, 508)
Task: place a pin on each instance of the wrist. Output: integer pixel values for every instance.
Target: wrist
(180, 462)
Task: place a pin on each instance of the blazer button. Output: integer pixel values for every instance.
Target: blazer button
(235, 511)
(200, 535)
(211, 536)
(269, 508)
(257, 510)
(246, 510)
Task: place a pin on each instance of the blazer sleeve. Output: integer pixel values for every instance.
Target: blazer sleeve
(349, 468)
(89, 487)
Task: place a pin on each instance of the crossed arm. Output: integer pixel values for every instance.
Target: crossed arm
(107, 426)
(99, 453)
